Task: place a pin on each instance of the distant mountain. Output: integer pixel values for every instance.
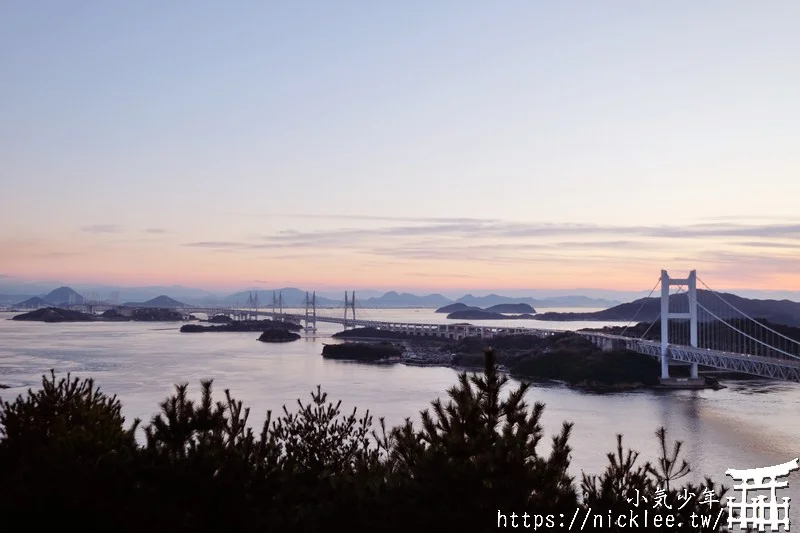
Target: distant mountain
(393, 299)
(339, 295)
(162, 301)
(292, 297)
(12, 299)
(63, 296)
(141, 294)
(573, 301)
(491, 299)
(32, 303)
(783, 312)
(537, 303)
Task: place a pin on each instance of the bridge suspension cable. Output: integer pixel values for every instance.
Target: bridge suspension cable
(363, 314)
(658, 317)
(745, 315)
(653, 323)
(644, 301)
(754, 339)
(754, 331)
(679, 329)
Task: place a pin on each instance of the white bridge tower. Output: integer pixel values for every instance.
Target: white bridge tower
(311, 319)
(691, 284)
(349, 304)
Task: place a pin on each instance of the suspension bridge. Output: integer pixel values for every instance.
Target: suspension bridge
(695, 327)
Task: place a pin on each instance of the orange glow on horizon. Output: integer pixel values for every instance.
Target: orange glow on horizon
(105, 261)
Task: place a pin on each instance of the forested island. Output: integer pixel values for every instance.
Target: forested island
(567, 357)
(461, 311)
(364, 352)
(54, 314)
(57, 314)
(480, 314)
(499, 308)
(278, 335)
(243, 326)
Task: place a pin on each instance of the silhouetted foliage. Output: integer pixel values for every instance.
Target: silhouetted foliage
(625, 484)
(477, 454)
(66, 456)
(61, 448)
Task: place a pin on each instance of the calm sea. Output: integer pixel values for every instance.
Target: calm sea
(748, 424)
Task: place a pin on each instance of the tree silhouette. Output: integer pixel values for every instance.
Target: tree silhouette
(66, 455)
(626, 486)
(478, 453)
(62, 448)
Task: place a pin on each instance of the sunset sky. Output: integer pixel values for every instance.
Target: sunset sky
(417, 145)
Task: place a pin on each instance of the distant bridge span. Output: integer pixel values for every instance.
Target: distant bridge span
(712, 333)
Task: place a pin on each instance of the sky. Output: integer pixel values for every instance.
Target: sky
(400, 145)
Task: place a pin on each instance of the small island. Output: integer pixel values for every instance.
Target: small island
(452, 308)
(495, 310)
(511, 308)
(243, 326)
(365, 352)
(278, 335)
(151, 314)
(54, 314)
(57, 314)
(481, 314)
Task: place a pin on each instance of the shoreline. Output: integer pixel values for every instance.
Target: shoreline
(420, 353)
(592, 387)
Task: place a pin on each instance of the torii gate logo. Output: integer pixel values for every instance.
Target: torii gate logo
(760, 513)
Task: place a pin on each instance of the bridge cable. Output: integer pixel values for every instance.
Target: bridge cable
(648, 328)
(680, 289)
(745, 315)
(640, 307)
(734, 328)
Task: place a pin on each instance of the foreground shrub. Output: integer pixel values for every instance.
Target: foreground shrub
(66, 456)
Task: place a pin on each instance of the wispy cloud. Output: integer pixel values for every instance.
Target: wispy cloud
(375, 218)
(493, 242)
(748, 261)
(742, 218)
(770, 244)
(217, 244)
(449, 275)
(488, 229)
(102, 228)
(156, 231)
(513, 235)
(740, 267)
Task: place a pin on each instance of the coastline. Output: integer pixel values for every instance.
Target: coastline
(432, 353)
